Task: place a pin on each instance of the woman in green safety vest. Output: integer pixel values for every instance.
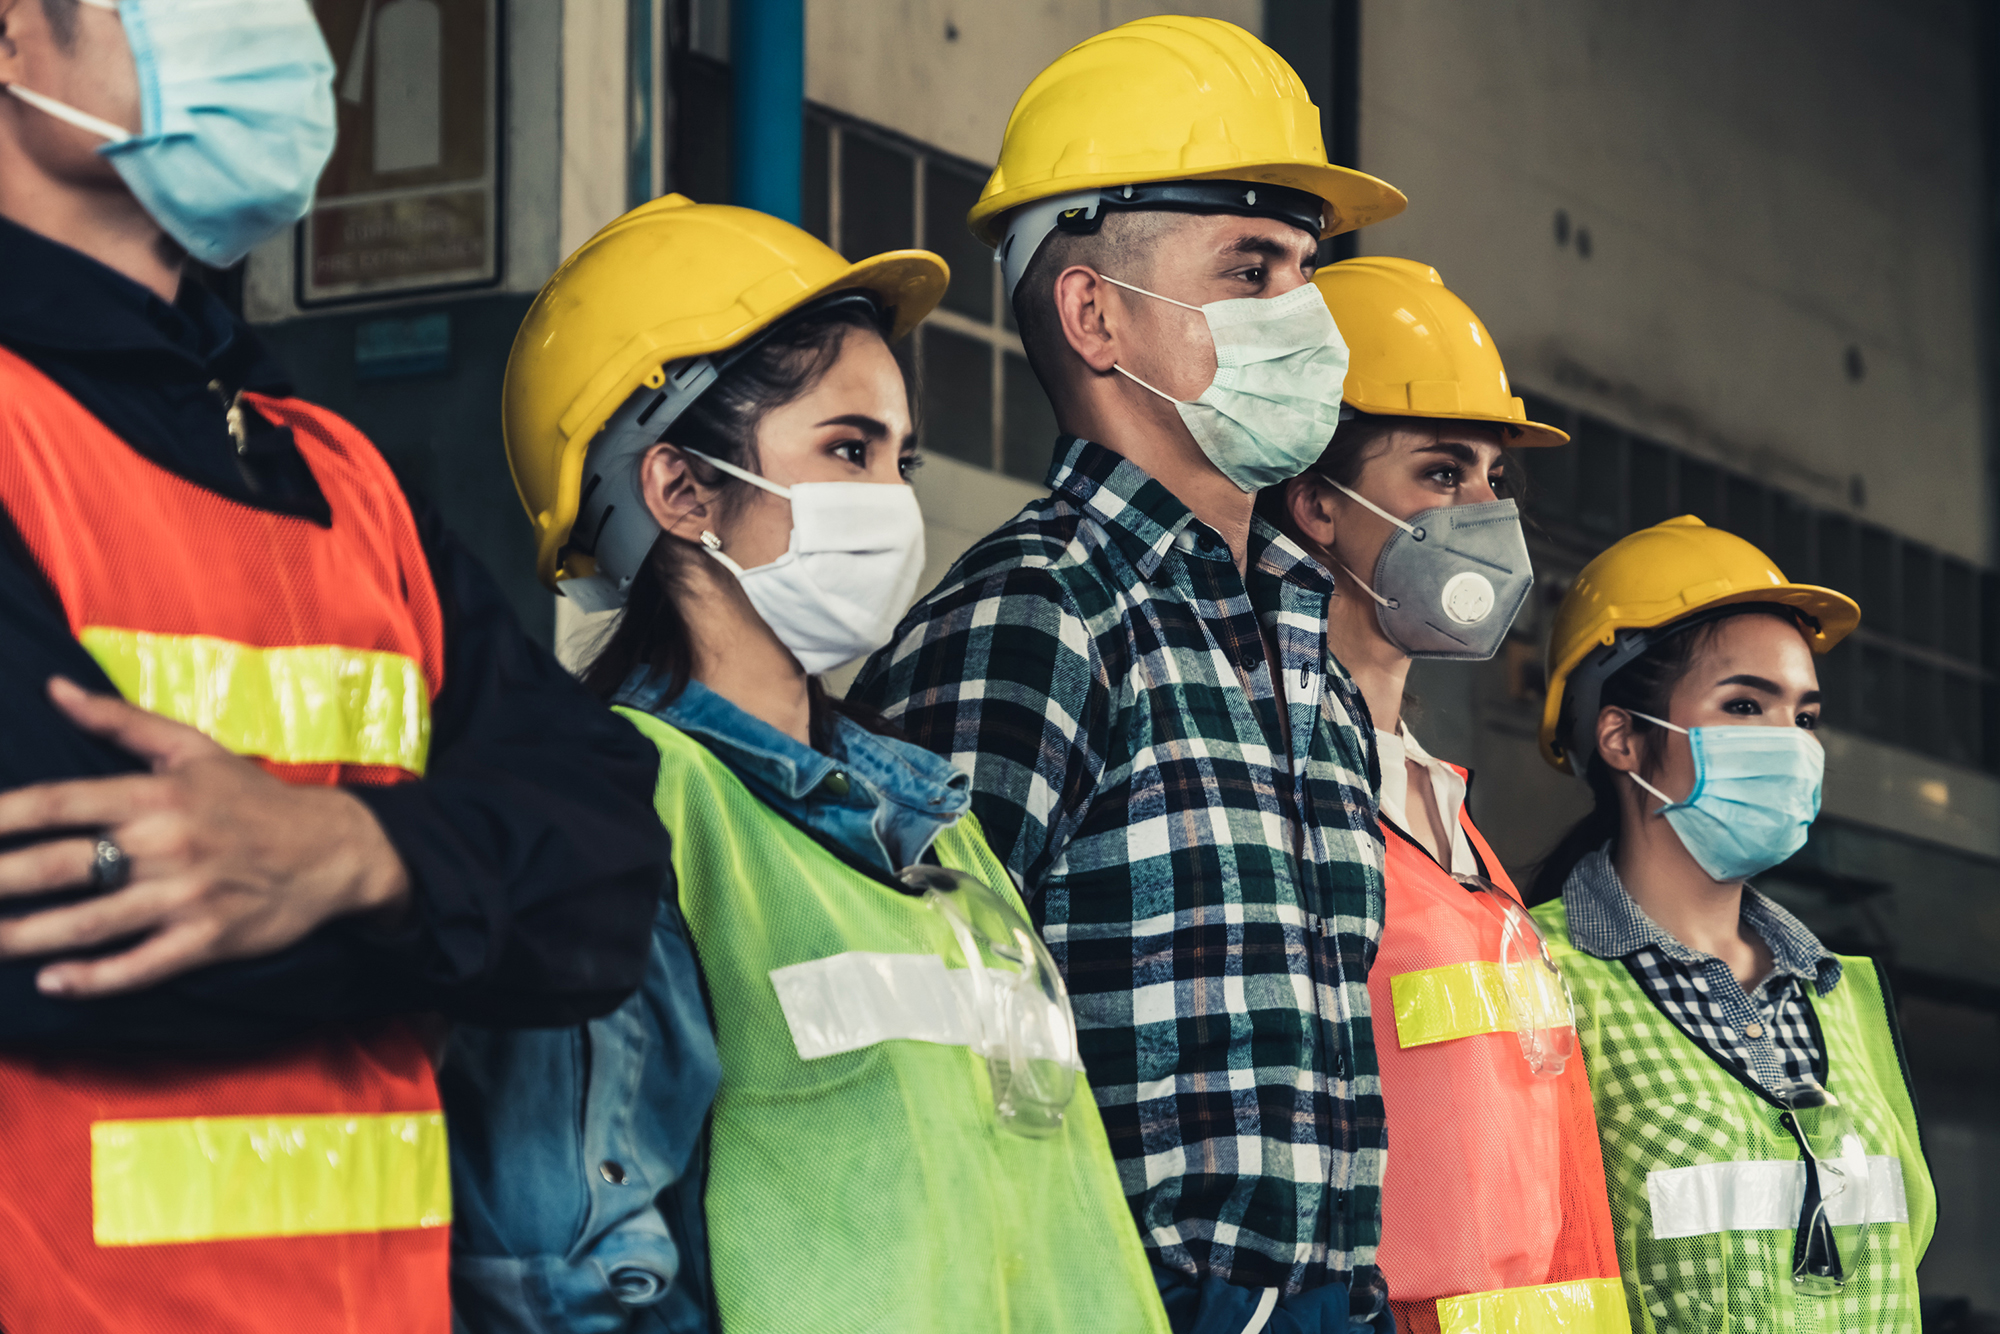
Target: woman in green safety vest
(707, 424)
(1760, 1140)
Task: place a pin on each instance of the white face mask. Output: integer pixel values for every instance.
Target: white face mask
(851, 568)
(1280, 364)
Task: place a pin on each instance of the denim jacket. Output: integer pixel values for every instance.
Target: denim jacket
(578, 1154)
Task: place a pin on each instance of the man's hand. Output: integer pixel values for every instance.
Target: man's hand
(226, 861)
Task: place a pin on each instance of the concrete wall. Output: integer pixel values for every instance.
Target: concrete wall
(1769, 191)
(947, 72)
(1764, 186)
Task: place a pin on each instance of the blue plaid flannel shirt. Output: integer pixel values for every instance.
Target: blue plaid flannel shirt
(1214, 902)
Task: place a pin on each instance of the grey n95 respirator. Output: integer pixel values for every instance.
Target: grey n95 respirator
(1450, 580)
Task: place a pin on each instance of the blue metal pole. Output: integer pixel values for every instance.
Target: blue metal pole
(767, 56)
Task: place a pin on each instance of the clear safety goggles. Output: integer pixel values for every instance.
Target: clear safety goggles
(1537, 994)
(1836, 1186)
(1019, 1008)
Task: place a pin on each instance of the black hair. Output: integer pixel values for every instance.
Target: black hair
(653, 630)
(1644, 685)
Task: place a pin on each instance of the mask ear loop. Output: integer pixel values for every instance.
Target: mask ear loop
(1634, 774)
(1416, 534)
(69, 115)
(740, 474)
(1157, 297)
(709, 541)
(1143, 292)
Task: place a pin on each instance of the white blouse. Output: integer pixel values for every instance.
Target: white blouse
(1447, 788)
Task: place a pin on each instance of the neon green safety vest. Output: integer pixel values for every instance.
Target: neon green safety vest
(872, 1188)
(1706, 1182)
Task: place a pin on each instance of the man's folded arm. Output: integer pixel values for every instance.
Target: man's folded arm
(535, 855)
(535, 858)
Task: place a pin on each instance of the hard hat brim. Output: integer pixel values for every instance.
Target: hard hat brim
(1835, 613)
(1354, 198)
(1519, 434)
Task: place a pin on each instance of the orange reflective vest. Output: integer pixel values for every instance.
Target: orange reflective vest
(1494, 1212)
(304, 1189)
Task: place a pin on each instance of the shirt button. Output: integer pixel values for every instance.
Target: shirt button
(1753, 1030)
(611, 1171)
(835, 785)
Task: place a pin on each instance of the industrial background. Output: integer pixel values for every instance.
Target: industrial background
(1743, 252)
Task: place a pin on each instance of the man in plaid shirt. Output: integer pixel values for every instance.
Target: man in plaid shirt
(1135, 672)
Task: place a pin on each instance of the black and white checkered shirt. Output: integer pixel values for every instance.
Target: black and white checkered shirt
(1767, 1033)
(1198, 845)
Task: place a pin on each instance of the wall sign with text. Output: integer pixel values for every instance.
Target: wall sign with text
(409, 201)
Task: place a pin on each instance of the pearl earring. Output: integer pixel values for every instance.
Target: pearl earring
(710, 540)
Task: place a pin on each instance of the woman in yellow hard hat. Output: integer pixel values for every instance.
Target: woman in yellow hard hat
(709, 430)
(1760, 1141)
(1493, 1202)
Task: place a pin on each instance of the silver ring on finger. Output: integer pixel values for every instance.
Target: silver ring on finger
(110, 868)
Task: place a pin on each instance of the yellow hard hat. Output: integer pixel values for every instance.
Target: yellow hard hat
(669, 281)
(1171, 99)
(1416, 350)
(1656, 577)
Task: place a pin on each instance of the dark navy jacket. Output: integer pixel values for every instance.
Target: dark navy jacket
(534, 853)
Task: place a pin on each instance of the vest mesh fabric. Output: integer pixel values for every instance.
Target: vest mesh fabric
(1495, 1180)
(134, 551)
(151, 559)
(1663, 1103)
(873, 1189)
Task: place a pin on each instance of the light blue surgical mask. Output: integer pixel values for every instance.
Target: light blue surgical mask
(1280, 363)
(1756, 792)
(236, 118)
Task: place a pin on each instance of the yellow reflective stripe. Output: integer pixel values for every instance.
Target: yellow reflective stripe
(1583, 1306)
(211, 1177)
(314, 704)
(1461, 1000)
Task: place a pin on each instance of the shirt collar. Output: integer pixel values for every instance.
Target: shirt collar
(1143, 517)
(63, 301)
(1148, 520)
(1605, 921)
(890, 770)
(1278, 556)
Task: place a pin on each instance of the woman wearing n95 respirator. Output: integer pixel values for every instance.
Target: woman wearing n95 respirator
(1493, 1201)
(708, 427)
(1760, 1141)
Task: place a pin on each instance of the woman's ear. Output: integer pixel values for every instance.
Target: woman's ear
(1618, 742)
(1309, 505)
(677, 502)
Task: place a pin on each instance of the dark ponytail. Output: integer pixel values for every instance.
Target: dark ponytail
(653, 630)
(1644, 685)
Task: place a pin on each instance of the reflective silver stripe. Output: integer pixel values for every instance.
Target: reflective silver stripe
(860, 998)
(1764, 1194)
(1262, 1315)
